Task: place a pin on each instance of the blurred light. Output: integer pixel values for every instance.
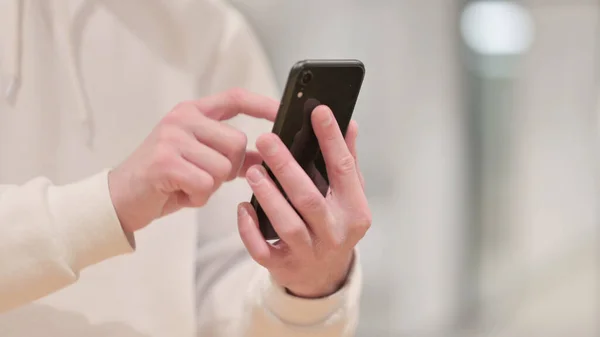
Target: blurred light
(496, 27)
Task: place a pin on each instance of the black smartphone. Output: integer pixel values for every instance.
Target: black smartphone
(334, 83)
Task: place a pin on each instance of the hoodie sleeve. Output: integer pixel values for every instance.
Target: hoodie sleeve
(235, 296)
(48, 234)
(238, 298)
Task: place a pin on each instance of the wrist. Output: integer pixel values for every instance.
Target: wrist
(329, 285)
(315, 292)
(124, 204)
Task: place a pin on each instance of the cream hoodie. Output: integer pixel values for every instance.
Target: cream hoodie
(83, 82)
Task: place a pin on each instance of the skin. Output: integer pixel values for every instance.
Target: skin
(191, 153)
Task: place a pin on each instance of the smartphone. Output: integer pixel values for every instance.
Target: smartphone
(334, 83)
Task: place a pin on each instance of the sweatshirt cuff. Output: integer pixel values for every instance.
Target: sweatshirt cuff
(88, 222)
(297, 311)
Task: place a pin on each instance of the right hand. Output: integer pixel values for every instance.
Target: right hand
(185, 159)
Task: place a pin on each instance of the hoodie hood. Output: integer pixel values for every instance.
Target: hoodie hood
(170, 29)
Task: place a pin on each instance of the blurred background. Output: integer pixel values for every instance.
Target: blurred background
(479, 143)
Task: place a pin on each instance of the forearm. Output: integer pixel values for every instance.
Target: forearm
(49, 233)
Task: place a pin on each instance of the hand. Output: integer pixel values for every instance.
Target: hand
(186, 158)
(313, 258)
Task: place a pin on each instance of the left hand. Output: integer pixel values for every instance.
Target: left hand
(313, 257)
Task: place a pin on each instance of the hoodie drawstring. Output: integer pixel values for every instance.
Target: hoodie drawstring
(12, 61)
(70, 53)
(12, 57)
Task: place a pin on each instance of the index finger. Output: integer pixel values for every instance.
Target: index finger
(229, 104)
(340, 163)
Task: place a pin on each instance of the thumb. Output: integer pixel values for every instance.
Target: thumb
(252, 158)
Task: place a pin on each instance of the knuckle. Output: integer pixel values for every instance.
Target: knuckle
(179, 110)
(162, 159)
(331, 242)
(334, 239)
(362, 222)
(280, 166)
(292, 232)
(262, 258)
(336, 243)
(236, 95)
(170, 119)
(345, 165)
(310, 202)
(266, 192)
(206, 185)
(330, 136)
(166, 135)
(198, 186)
(183, 107)
(224, 171)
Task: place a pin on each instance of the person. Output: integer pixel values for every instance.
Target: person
(88, 81)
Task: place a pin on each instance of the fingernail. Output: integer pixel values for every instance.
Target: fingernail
(254, 175)
(242, 211)
(237, 173)
(327, 119)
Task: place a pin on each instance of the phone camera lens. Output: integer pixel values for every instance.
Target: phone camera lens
(306, 77)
